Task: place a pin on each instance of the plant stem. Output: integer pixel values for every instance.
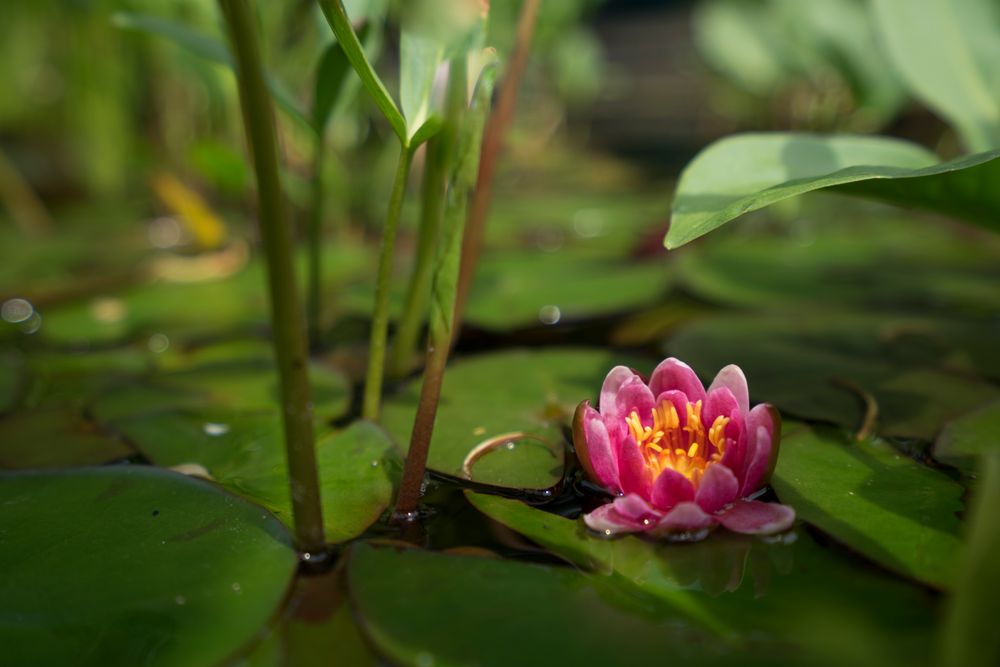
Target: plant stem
(439, 162)
(442, 311)
(380, 317)
(288, 324)
(315, 238)
(496, 130)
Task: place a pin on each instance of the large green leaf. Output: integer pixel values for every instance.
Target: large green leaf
(421, 608)
(134, 565)
(747, 172)
(244, 452)
(897, 512)
(824, 366)
(55, 438)
(791, 591)
(521, 400)
(948, 53)
(965, 439)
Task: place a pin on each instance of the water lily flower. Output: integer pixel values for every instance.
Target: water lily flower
(680, 459)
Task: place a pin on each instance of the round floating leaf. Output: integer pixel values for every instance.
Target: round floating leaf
(238, 376)
(895, 511)
(189, 306)
(854, 262)
(244, 452)
(517, 289)
(820, 366)
(515, 405)
(421, 608)
(134, 565)
(55, 438)
(965, 439)
(791, 592)
(747, 172)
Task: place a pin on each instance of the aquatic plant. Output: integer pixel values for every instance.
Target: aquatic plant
(680, 458)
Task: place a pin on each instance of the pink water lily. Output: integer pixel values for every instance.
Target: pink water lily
(680, 459)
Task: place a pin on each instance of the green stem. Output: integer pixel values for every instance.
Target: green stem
(287, 322)
(446, 270)
(380, 317)
(315, 278)
(440, 159)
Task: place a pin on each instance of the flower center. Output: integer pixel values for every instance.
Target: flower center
(688, 449)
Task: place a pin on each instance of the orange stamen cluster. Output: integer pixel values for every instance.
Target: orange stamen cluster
(688, 449)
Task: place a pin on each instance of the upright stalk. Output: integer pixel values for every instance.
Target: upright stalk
(433, 189)
(380, 318)
(287, 322)
(315, 238)
(442, 310)
(496, 130)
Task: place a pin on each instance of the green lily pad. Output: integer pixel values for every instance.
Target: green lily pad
(244, 452)
(747, 172)
(55, 438)
(238, 376)
(520, 400)
(183, 310)
(518, 289)
(421, 608)
(965, 439)
(895, 511)
(134, 565)
(857, 262)
(791, 592)
(818, 366)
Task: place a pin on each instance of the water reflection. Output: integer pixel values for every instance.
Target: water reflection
(726, 562)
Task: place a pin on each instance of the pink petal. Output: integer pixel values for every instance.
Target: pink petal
(680, 401)
(616, 377)
(759, 430)
(732, 378)
(635, 396)
(628, 514)
(719, 402)
(633, 475)
(593, 447)
(671, 488)
(736, 444)
(754, 517)
(684, 517)
(675, 374)
(718, 488)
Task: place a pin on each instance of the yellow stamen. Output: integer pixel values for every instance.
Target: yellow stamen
(688, 450)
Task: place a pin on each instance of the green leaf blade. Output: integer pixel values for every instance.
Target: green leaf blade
(748, 172)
